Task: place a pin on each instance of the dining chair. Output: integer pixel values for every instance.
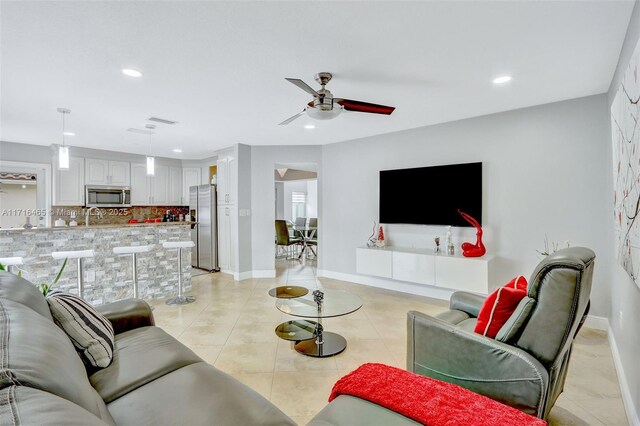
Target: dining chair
(313, 241)
(301, 221)
(283, 238)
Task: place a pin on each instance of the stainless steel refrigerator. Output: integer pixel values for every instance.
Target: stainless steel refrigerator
(203, 210)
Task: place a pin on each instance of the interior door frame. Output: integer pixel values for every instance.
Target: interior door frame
(43, 174)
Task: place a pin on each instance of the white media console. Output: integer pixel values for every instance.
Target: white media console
(423, 266)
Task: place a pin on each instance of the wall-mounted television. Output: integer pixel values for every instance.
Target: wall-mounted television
(431, 195)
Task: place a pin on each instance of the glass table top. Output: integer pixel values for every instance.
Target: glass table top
(335, 303)
(288, 291)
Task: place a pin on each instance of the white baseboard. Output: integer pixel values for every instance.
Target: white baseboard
(599, 323)
(403, 287)
(267, 273)
(629, 407)
(239, 276)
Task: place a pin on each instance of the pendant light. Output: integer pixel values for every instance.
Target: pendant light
(63, 150)
(151, 167)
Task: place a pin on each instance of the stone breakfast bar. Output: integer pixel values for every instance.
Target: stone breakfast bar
(107, 276)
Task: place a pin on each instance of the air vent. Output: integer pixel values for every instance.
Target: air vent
(161, 120)
(140, 131)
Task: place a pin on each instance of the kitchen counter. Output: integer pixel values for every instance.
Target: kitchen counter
(107, 275)
(98, 226)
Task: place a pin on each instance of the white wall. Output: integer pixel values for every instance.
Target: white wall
(289, 188)
(244, 158)
(625, 294)
(279, 194)
(263, 161)
(312, 198)
(12, 197)
(544, 172)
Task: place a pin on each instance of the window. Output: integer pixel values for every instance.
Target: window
(298, 202)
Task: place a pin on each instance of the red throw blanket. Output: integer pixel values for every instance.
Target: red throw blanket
(426, 400)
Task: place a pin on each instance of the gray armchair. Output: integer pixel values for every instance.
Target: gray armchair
(525, 366)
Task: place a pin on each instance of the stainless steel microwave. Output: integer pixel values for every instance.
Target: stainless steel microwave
(107, 196)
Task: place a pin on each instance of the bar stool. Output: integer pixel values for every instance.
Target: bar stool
(133, 251)
(12, 262)
(180, 299)
(79, 255)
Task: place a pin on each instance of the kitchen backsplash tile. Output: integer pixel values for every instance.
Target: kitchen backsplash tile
(115, 216)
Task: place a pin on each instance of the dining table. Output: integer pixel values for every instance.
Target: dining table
(306, 233)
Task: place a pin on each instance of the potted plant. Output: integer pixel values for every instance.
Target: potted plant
(43, 287)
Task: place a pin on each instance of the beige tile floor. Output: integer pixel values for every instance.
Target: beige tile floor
(231, 325)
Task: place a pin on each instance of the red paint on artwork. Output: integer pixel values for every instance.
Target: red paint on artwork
(477, 249)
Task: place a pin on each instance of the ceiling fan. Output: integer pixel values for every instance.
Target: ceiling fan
(325, 107)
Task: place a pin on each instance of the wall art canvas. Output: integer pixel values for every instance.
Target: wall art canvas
(625, 129)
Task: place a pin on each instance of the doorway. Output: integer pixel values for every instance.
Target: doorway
(296, 202)
(25, 194)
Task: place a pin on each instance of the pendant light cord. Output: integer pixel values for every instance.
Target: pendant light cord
(63, 114)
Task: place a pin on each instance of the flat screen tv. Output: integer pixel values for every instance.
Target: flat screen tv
(431, 195)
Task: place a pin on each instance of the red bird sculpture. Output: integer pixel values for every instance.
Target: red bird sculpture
(477, 249)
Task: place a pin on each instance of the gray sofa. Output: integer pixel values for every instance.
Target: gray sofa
(524, 367)
(152, 380)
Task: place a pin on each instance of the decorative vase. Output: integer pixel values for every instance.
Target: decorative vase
(477, 249)
(380, 242)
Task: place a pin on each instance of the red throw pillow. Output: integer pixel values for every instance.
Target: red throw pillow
(497, 309)
(519, 282)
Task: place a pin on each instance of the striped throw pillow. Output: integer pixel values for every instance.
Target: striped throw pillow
(90, 332)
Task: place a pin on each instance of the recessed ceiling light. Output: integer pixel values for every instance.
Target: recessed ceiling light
(131, 72)
(177, 150)
(69, 134)
(502, 79)
(309, 126)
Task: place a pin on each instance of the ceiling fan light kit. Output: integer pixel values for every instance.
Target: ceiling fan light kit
(325, 107)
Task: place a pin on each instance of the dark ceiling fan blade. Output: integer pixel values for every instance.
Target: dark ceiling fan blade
(290, 119)
(359, 106)
(304, 86)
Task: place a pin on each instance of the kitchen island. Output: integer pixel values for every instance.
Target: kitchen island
(107, 276)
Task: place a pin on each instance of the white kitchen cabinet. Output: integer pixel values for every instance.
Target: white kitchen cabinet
(107, 172)
(151, 190)
(140, 185)
(190, 177)
(175, 187)
(68, 184)
(119, 173)
(227, 175)
(227, 222)
(160, 186)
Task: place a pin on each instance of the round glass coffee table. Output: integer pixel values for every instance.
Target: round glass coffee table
(321, 304)
(288, 291)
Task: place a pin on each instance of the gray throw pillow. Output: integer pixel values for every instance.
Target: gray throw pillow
(89, 331)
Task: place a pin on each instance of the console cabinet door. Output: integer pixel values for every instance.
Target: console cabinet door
(460, 273)
(414, 267)
(68, 185)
